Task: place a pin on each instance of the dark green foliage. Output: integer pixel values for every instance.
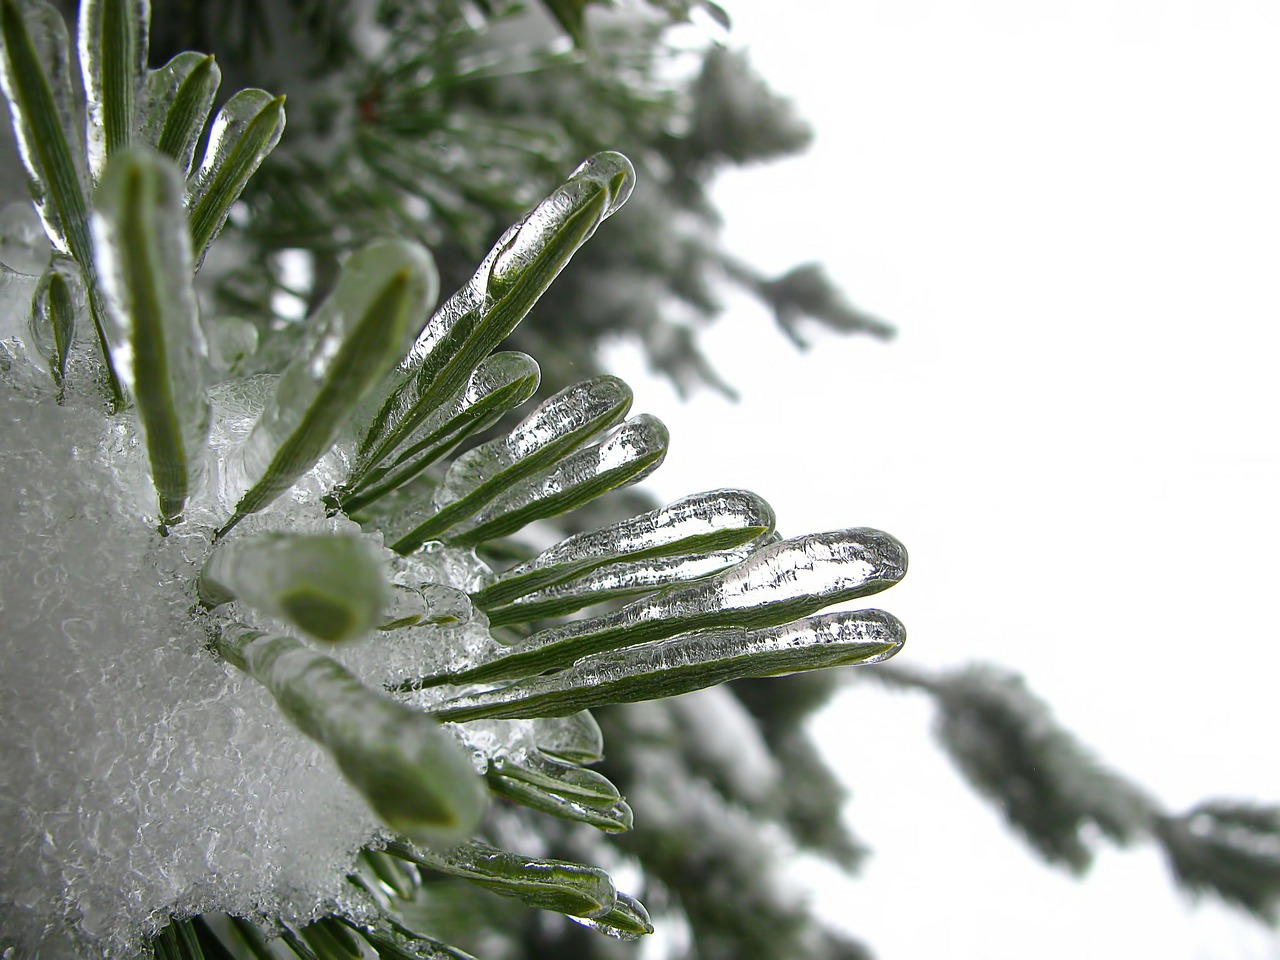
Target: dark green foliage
(812, 814)
(1008, 746)
(438, 127)
(1051, 790)
(701, 838)
(1229, 849)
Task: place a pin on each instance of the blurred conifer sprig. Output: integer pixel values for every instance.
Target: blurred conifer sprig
(1050, 788)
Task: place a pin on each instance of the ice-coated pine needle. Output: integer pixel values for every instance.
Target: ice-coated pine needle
(628, 920)
(177, 941)
(628, 455)
(355, 337)
(613, 817)
(415, 776)
(397, 942)
(615, 582)
(689, 662)
(331, 939)
(559, 425)
(390, 872)
(423, 603)
(36, 71)
(245, 130)
(157, 347)
(568, 779)
(516, 272)
(112, 38)
(175, 104)
(53, 317)
(776, 584)
(696, 524)
(556, 885)
(576, 737)
(332, 587)
(500, 384)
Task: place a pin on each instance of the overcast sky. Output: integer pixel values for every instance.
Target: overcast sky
(1071, 212)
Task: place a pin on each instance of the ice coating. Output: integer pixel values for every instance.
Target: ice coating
(245, 130)
(777, 583)
(58, 304)
(613, 582)
(569, 779)
(576, 737)
(175, 103)
(568, 418)
(593, 192)
(605, 179)
(16, 290)
(628, 920)
(691, 661)
(627, 455)
(471, 323)
(547, 884)
(563, 422)
(503, 382)
(425, 603)
(431, 621)
(445, 605)
(227, 129)
(517, 769)
(143, 250)
(498, 373)
(50, 131)
(353, 340)
(24, 247)
(113, 63)
(698, 523)
(330, 587)
(235, 406)
(231, 340)
(608, 815)
(611, 170)
(412, 773)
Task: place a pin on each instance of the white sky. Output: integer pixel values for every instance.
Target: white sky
(1071, 211)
